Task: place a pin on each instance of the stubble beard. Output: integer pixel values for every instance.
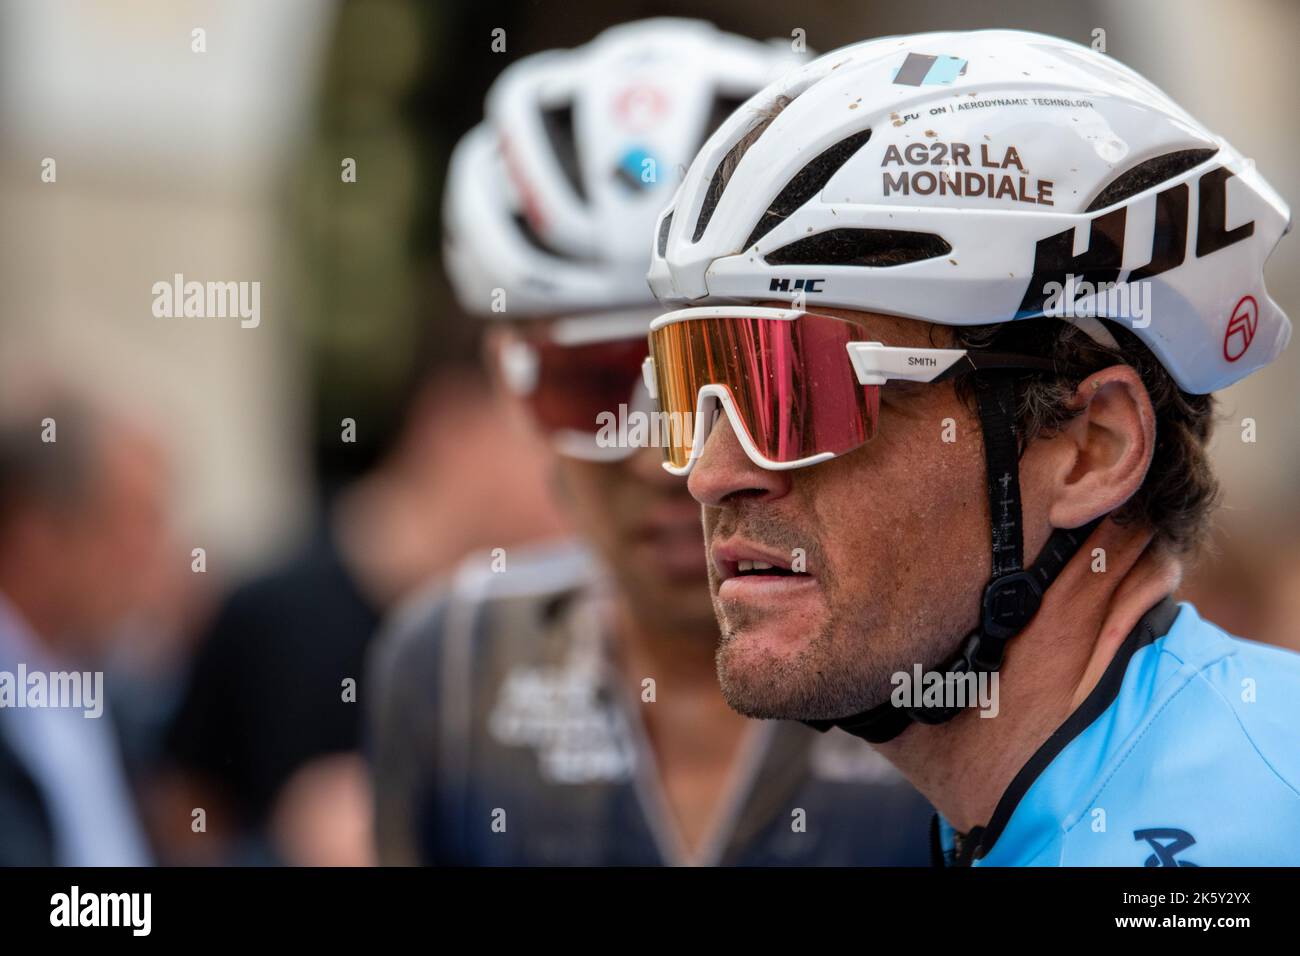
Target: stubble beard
(834, 674)
(846, 661)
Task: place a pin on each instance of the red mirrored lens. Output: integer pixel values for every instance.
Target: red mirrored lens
(791, 380)
(575, 383)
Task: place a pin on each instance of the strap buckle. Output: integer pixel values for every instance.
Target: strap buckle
(1010, 603)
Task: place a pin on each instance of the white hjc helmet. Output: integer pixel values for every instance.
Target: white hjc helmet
(956, 176)
(554, 197)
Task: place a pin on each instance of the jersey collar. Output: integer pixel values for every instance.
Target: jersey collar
(1154, 624)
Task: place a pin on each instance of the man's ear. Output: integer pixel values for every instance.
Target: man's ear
(1105, 450)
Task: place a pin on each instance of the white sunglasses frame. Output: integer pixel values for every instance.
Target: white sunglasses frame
(873, 362)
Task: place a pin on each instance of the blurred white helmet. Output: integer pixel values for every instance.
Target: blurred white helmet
(553, 198)
(954, 177)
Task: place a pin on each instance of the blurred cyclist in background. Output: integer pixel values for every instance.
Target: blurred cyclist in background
(266, 735)
(560, 706)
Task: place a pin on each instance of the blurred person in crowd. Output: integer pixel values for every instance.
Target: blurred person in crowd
(266, 733)
(1246, 582)
(1282, 626)
(265, 737)
(83, 538)
(559, 705)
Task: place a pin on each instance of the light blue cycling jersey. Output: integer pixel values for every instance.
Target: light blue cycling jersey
(1187, 753)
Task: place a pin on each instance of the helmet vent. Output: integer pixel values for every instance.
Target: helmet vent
(722, 175)
(558, 123)
(860, 247)
(541, 245)
(663, 234)
(723, 106)
(807, 183)
(719, 182)
(1150, 173)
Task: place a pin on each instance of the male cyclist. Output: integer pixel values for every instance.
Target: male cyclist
(993, 278)
(561, 707)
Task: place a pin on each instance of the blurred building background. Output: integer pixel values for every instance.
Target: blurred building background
(226, 165)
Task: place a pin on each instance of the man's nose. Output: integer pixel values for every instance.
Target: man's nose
(724, 472)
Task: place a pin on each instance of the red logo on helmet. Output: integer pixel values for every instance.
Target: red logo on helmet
(638, 107)
(527, 195)
(1241, 328)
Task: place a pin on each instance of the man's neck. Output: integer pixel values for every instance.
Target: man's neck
(696, 739)
(963, 767)
(694, 719)
(681, 658)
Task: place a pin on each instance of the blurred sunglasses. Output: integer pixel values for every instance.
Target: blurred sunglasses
(798, 388)
(575, 370)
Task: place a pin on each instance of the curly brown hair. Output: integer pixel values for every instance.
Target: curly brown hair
(1180, 490)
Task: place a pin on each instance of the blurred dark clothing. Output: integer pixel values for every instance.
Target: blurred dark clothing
(26, 833)
(266, 692)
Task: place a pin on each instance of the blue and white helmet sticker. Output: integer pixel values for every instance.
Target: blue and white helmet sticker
(920, 69)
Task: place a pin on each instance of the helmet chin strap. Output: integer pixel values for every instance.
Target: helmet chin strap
(1013, 594)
